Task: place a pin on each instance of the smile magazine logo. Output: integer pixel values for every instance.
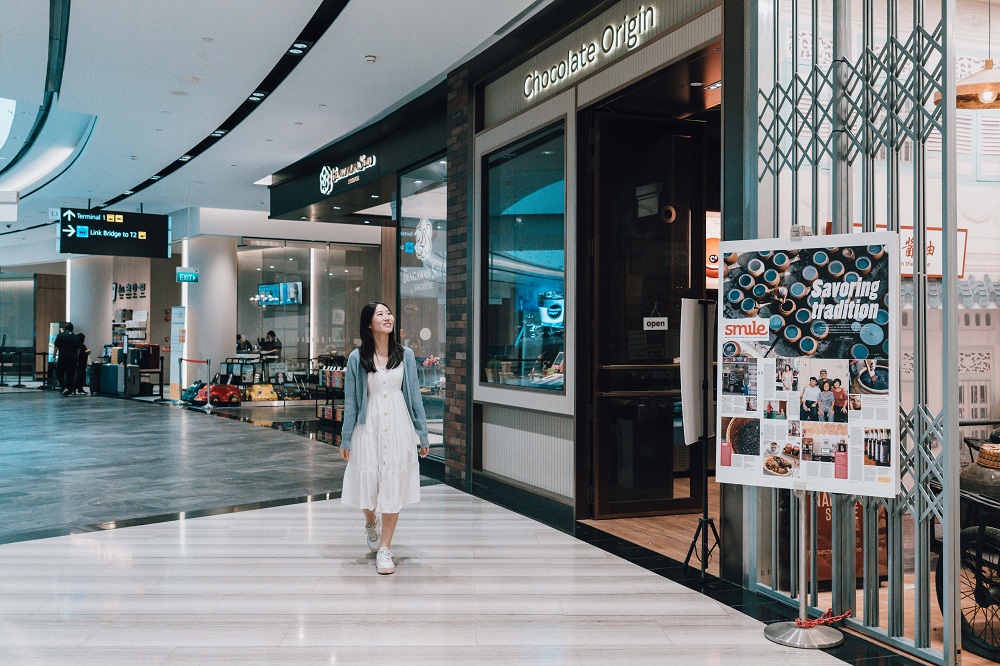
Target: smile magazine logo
(754, 328)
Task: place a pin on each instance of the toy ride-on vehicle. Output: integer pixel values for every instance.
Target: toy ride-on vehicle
(222, 395)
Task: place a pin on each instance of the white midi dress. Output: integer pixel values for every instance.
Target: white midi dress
(383, 472)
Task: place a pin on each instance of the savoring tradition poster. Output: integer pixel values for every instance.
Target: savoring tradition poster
(807, 384)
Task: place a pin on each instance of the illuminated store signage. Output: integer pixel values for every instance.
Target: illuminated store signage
(613, 40)
(330, 176)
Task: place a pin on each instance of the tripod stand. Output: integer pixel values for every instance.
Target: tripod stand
(705, 523)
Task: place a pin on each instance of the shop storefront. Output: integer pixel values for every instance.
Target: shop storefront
(593, 169)
(393, 176)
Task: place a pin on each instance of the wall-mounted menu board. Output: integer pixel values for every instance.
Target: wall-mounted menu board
(807, 384)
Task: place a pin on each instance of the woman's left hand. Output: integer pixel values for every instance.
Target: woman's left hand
(424, 450)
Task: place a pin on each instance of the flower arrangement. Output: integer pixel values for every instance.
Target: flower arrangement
(431, 361)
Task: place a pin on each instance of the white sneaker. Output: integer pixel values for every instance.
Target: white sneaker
(383, 561)
(371, 531)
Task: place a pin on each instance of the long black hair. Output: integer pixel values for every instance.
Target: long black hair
(368, 340)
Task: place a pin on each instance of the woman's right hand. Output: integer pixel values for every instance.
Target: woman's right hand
(345, 455)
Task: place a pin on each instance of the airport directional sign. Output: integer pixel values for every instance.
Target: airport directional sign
(83, 231)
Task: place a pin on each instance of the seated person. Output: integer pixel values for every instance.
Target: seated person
(243, 345)
(271, 346)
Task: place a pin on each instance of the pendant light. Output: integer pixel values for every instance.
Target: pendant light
(982, 89)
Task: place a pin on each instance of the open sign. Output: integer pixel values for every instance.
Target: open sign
(654, 323)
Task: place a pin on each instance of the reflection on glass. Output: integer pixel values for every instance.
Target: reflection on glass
(423, 243)
(280, 283)
(524, 242)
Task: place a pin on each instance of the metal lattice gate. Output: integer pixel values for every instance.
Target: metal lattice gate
(848, 137)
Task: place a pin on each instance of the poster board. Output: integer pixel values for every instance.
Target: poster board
(794, 315)
(697, 337)
(177, 338)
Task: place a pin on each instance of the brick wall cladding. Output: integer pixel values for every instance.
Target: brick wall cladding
(456, 309)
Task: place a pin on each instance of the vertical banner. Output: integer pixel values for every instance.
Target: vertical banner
(697, 354)
(177, 336)
(808, 378)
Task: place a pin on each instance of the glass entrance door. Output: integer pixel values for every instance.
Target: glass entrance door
(648, 206)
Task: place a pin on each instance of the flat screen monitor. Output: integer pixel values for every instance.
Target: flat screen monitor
(281, 293)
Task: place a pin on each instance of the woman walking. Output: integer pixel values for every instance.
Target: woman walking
(384, 427)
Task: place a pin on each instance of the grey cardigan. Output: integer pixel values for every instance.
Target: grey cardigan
(356, 396)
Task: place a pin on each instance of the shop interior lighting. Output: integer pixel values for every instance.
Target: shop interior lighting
(128, 192)
(980, 90)
(219, 132)
(257, 96)
(367, 222)
(696, 84)
(374, 196)
(714, 86)
(184, 158)
(155, 177)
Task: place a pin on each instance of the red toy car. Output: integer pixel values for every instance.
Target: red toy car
(222, 394)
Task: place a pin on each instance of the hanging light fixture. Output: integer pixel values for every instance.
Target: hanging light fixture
(982, 89)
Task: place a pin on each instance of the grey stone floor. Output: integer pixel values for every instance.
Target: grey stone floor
(71, 462)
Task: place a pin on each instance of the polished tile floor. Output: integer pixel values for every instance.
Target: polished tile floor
(475, 583)
(294, 584)
(77, 461)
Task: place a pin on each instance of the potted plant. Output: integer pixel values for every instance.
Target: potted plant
(493, 370)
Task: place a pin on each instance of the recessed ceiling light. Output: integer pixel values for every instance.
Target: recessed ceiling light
(336, 207)
(258, 269)
(183, 158)
(300, 45)
(374, 196)
(346, 270)
(547, 152)
(714, 86)
(296, 51)
(270, 266)
(302, 217)
(367, 222)
(418, 182)
(218, 132)
(289, 258)
(443, 162)
(696, 84)
(155, 177)
(330, 274)
(129, 192)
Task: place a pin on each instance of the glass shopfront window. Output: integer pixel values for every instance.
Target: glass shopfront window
(524, 307)
(423, 250)
(309, 294)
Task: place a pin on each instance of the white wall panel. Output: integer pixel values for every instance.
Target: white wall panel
(530, 448)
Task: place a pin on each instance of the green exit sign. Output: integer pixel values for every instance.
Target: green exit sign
(187, 274)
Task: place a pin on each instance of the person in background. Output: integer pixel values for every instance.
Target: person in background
(810, 398)
(81, 364)
(788, 378)
(384, 430)
(271, 345)
(67, 349)
(243, 345)
(826, 401)
(840, 398)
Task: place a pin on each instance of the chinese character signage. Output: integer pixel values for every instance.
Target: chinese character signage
(808, 389)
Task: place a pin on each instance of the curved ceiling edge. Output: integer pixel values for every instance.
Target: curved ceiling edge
(322, 19)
